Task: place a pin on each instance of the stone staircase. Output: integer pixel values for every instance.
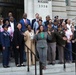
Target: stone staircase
(56, 69)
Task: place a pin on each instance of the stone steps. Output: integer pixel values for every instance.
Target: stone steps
(24, 73)
(51, 70)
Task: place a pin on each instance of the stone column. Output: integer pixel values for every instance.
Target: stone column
(30, 11)
(29, 8)
(25, 6)
(50, 8)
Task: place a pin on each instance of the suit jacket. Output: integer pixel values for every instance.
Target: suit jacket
(33, 21)
(18, 38)
(24, 28)
(28, 41)
(15, 26)
(5, 39)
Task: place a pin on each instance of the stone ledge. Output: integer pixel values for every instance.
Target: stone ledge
(50, 69)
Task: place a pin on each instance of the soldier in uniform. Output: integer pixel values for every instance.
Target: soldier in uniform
(5, 40)
(56, 39)
(61, 44)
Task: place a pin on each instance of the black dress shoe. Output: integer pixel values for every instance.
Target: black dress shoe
(53, 63)
(6, 66)
(49, 63)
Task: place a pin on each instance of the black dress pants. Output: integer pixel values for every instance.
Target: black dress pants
(18, 54)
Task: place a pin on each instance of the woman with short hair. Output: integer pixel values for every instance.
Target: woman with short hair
(29, 41)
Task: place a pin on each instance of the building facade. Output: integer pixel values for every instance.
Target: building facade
(62, 8)
(43, 7)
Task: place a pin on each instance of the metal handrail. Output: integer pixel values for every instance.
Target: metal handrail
(40, 63)
(64, 57)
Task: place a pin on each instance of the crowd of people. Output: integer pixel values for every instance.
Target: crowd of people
(42, 37)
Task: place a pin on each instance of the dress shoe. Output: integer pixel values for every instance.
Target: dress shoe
(49, 63)
(18, 65)
(53, 63)
(6, 66)
(22, 65)
(44, 67)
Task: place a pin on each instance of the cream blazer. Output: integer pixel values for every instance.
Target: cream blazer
(28, 41)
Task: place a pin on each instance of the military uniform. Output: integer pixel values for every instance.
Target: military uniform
(5, 40)
(61, 43)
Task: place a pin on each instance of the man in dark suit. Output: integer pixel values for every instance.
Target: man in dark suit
(12, 21)
(36, 19)
(24, 21)
(12, 25)
(10, 14)
(12, 29)
(47, 22)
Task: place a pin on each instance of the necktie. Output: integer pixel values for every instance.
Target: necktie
(25, 21)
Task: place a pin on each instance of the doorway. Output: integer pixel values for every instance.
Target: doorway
(16, 8)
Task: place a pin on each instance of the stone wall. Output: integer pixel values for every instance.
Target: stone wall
(71, 9)
(59, 8)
